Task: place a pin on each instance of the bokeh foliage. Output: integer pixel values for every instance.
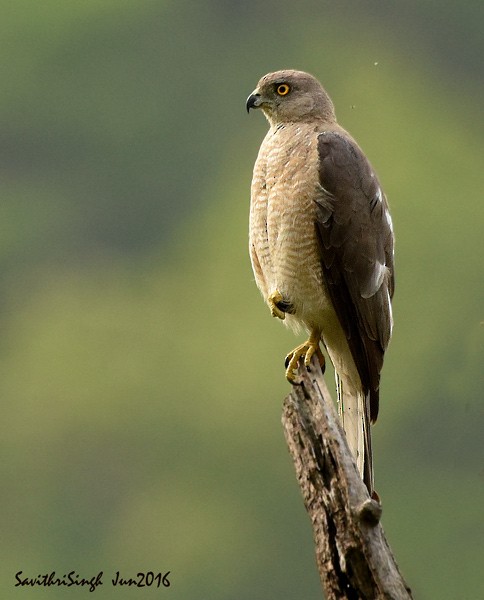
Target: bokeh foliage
(140, 373)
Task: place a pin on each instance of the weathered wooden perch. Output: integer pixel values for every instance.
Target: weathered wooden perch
(353, 556)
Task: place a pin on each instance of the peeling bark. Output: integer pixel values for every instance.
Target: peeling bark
(353, 557)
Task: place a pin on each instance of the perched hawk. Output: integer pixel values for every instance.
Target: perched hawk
(321, 245)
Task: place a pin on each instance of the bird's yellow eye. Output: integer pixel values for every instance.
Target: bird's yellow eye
(283, 89)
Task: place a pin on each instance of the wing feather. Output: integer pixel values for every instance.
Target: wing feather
(356, 246)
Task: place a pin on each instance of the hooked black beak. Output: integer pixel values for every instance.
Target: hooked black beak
(253, 101)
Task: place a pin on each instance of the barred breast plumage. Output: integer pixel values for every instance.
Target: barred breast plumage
(282, 232)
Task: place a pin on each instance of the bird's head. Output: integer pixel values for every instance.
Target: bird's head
(291, 96)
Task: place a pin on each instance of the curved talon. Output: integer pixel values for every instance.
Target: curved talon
(273, 301)
(322, 360)
(308, 349)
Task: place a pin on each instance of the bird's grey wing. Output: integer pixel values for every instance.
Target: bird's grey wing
(356, 245)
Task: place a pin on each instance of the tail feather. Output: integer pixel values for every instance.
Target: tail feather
(354, 409)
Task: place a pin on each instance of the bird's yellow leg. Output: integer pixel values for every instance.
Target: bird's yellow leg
(273, 301)
(308, 350)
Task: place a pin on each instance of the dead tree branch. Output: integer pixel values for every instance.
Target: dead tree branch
(353, 556)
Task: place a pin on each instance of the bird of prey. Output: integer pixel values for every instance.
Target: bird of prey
(321, 245)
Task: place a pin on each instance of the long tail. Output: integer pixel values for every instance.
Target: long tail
(353, 407)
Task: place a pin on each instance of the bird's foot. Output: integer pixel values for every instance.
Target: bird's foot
(279, 307)
(308, 350)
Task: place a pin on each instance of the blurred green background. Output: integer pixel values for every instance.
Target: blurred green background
(141, 375)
